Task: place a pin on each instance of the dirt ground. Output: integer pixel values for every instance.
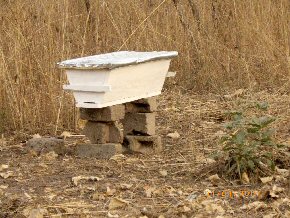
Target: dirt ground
(174, 183)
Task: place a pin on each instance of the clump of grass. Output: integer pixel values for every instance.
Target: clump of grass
(249, 145)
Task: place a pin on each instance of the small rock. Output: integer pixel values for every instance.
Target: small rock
(174, 135)
(266, 179)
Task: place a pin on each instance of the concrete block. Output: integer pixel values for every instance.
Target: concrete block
(139, 123)
(132, 107)
(45, 145)
(152, 101)
(144, 105)
(144, 144)
(101, 133)
(106, 114)
(100, 151)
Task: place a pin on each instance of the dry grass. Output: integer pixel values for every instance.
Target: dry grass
(222, 44)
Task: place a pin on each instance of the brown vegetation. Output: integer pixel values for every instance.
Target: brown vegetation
(222, 45)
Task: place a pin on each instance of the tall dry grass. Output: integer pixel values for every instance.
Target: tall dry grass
(222, 44)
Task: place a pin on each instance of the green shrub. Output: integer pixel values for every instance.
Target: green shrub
(249, 145)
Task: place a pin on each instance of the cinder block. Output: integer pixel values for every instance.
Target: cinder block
(144, 144)
(139, 123)
(132, 107)
(152, 101)
(101, 133)
(45, 145)
(144, 105)
(106, 114)
(100, 151)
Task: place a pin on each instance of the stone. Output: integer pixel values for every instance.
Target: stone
(144, 144)
(100, 151)
(46, 145)
(141, 106)
(100, 133)
(139, 123)
(107, 114)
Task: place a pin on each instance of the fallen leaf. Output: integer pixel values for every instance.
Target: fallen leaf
(110, 191)
(279, 178)
(36, 136)
(254, 205)
(37, 213)
(76, 179)
(3, 167)
(163, 172)
(174, 135)
(273, 194)
(186, 209)
(211, 207)
(270, 215)
(118, 157)
(266, 179)
(132, 160)
(158, 192)
(277, 189)
(117, 203)
(6, 174)
(3, 186)
(214, 179)
(66, 134)
(282, 172)
(112, 215)
(125, 186)
(98, 197)
(51, 196)
(28, 196)
(245, 178)
(203, 160)
(149, 191)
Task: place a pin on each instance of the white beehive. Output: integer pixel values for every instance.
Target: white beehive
(108, 79)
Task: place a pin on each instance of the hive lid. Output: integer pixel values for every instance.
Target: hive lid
(115, 59)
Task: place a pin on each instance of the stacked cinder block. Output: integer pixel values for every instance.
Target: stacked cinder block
(139, 126)
(113, 129)
(104, 130)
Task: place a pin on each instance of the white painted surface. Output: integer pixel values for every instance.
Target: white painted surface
(88, 88)
(115, 59)
(102, 87)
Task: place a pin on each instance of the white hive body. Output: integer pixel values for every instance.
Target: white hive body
(115, 78)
